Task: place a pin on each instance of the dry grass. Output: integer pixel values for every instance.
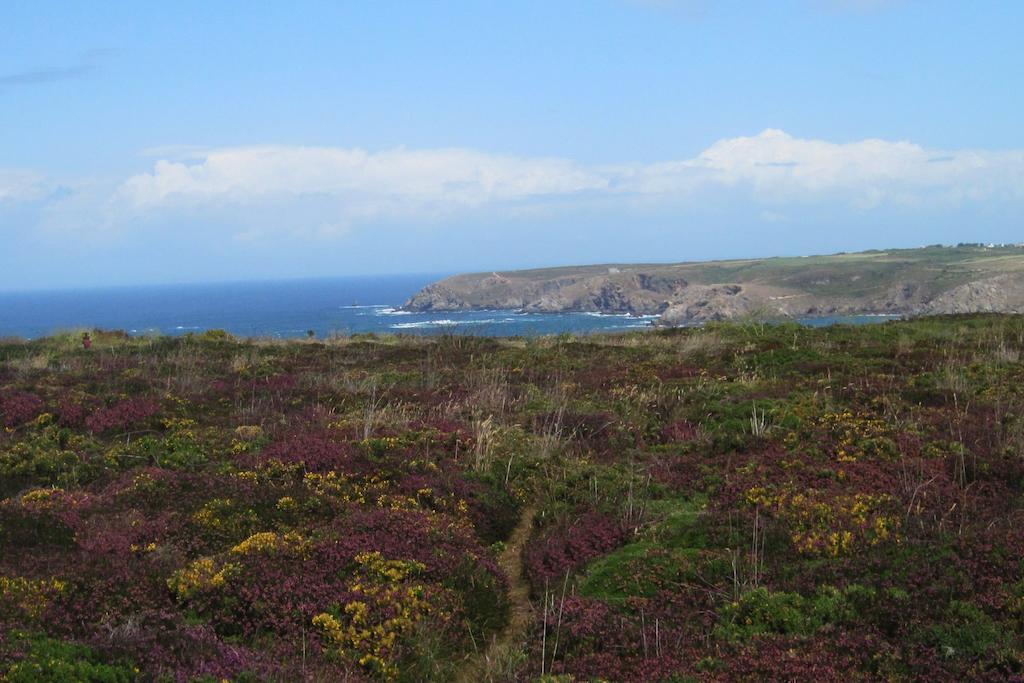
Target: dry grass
(32, 363)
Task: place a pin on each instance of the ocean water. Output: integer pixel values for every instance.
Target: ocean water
(288, 309)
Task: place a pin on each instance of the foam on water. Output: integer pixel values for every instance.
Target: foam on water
(423, 323)
(448, 322)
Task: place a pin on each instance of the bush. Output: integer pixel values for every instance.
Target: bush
(132, 412)
(45, 659)
(967, 632)
(19, 407)
(570, 546)
(763, 612)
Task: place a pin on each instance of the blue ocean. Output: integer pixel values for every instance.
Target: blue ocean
(287, 309)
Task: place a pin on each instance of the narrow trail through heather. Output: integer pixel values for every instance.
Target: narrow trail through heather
(511, 562)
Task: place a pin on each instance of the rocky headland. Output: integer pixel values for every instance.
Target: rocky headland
(928, 280)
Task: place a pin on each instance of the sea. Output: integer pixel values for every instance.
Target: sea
(291, 309)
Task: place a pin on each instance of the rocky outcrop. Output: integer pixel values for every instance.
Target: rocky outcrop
(705, 303)
(903, 282)
(1000, 294)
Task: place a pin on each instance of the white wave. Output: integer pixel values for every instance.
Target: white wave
(596, 314)
(424, 323)
(367, 306)
(447, 322)
(388, 310)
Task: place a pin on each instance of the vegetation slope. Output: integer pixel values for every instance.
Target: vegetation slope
(739, 501)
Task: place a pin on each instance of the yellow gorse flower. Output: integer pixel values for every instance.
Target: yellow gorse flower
(29, 596)
(201, 575)
(367, 629)
(827, 524)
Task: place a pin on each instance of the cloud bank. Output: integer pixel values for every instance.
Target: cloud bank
(771, 168)
(396, 179)
(287, 211)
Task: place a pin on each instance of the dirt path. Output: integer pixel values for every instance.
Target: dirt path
(478, 666)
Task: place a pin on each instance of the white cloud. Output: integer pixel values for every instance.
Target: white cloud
(778, 168)
(368, 182)
(772, 168)
(18, 185)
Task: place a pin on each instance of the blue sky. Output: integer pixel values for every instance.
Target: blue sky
(199, 141)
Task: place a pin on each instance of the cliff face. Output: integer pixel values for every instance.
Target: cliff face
(999, 294)
(612, 291)
(906, 282)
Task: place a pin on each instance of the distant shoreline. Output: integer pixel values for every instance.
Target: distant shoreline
(971, 278)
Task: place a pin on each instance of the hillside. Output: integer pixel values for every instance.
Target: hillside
(729, 502)
(929, 280)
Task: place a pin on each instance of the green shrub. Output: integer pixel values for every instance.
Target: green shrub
(762, 612)
(216, 335)
(966, 631)
(47, 660)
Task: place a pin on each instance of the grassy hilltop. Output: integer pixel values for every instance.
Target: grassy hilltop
(739, 501)
(929, 280)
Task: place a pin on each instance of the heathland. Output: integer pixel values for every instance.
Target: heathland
(969, 278)
(737, 501)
